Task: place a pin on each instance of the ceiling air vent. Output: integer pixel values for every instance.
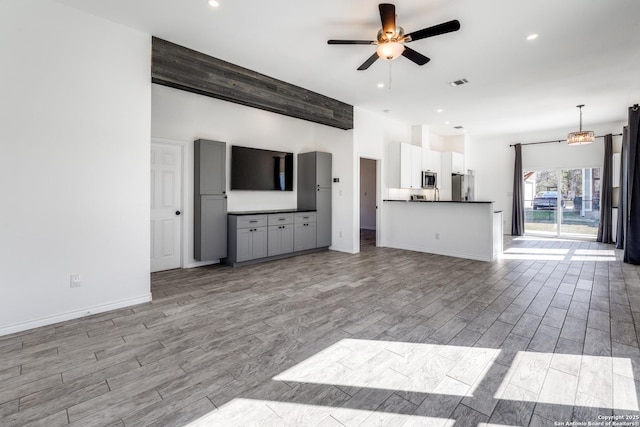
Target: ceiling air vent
(458, 82)
(458, 127)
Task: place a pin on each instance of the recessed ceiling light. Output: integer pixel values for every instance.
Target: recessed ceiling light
(213, 3)
(446, 123)
(458, 82)
(532, 37)
(439, 110)
(380, 85)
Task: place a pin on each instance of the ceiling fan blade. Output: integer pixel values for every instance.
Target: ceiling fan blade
(351, 42)
(414, 56)
(388, 18)
(368, 62)
(436, 30)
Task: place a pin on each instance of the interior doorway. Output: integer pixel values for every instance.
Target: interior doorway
(369, 177)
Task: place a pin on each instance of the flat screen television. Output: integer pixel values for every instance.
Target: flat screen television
(261, 170)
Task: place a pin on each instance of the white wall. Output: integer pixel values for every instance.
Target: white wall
(183, 116)
(368, 194)
(493, 160)
(74, 169)
(372, 135)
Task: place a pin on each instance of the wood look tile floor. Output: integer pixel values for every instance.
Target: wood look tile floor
(385, 337)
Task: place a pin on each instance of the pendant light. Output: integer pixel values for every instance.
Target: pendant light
(581, 137)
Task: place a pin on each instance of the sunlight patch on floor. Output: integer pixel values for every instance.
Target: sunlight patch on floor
(544, 251)
(254, 412)
(550, 254)
(393, 366)
(593, 258)
(573, 380)
(325, 387)
(596, 252)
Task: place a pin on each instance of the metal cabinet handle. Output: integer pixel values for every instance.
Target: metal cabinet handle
(253, 222)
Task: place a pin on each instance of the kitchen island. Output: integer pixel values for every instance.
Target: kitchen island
(470, 229)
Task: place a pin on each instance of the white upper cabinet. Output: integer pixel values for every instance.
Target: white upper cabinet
(457, 163)
(410, 166)
(453, 162)
(405, 166)
(431, 161)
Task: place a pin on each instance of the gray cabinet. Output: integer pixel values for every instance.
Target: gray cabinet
(323, 222)
(252, 243)
(280, 237)
(247, 238)
(210, 200)
(211, 221)
(305, 232)
(314, 193)
(260, 236)
(209, 167)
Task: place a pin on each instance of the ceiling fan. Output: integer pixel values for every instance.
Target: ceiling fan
(391, 39)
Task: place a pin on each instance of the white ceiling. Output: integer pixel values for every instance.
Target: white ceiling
(588, 52)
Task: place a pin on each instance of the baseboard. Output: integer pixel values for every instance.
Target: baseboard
(201, 263)
(346, 251)
(438, 252)
(44, 321)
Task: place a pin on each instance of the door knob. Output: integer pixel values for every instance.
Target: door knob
(178, 212)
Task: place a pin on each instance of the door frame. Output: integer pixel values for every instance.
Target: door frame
(185, 208)
(378, 161)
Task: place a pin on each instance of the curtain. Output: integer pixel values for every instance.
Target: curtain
(517, 212)
(622, 196)
(632, 239)
(606, 193)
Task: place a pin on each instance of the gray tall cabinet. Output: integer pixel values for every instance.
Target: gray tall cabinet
(210, 200)
(314, 192)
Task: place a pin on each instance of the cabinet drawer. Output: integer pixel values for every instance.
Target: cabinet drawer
(248, 221)
(280, 219)
(305, 217)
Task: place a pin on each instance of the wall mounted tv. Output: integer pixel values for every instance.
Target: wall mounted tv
(261, 170)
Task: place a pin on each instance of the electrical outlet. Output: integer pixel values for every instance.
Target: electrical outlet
(437, 236)
(75, 281)
(340, 234)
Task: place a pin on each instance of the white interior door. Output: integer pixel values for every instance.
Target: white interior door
(166, 206)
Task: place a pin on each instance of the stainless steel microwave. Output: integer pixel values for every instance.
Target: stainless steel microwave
(429, 179)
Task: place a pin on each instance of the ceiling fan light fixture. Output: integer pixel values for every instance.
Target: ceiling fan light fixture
(581, 137)
(390, 50)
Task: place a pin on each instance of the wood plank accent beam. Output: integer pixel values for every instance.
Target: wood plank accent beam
(182, 68)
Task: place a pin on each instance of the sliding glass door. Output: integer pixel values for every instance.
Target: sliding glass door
(541, 200)
(562, 202)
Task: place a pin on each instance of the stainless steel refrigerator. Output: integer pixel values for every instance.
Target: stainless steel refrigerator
(462, 188)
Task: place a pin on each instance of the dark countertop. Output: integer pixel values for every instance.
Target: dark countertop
(437, 201)
(277, 211)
